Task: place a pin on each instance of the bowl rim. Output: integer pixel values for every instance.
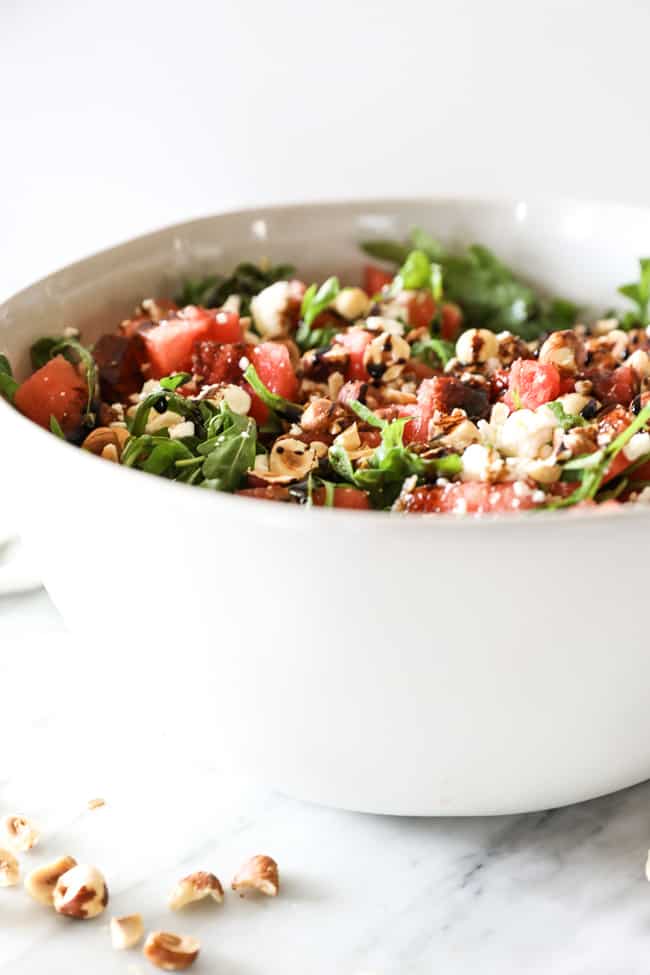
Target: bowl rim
(265, 510)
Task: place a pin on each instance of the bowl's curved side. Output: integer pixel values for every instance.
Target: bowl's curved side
(413, 666)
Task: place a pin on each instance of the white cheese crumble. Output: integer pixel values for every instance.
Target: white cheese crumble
(481, 463)
(180, 430)
(269, 310)
(524, 433)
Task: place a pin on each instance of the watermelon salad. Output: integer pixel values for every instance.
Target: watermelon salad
(440, 383)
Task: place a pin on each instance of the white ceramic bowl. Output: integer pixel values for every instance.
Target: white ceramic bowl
(413, 665)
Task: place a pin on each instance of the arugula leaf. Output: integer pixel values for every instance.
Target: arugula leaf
(423, 241)
(367, 415)
(8, 384)
(55, 427)
(229, 451)
(314, 338)
(386, 250)
(317, 299)
(172, 383)
(247, 280)
(566, 420)
(593, 467)
(418, 272)
(639, 293)
(433, 351)
(280, 405)
(50, 346)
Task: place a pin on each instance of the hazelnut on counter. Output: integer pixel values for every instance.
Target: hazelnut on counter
(19, 833)
(171, 952)
(40, 883)
(259, 873)
(196, 887)
(9, 869)
(126, 931)
(81, 892)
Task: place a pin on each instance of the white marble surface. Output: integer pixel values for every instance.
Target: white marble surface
(560, 891)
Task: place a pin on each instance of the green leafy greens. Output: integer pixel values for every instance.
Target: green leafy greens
(390, 464)
(247, 280)
(489, 292)
(222, 449)
(8, 384)
(590, 469)
(639, 293)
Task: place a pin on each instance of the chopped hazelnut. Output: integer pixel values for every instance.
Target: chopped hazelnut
(171, 952)
(9, 869)
(259, 873)
(40, 883)
(81, 892)
(126, 931)
(196, 887)
(19, 834)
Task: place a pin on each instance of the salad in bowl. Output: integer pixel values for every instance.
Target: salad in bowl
(441, 383)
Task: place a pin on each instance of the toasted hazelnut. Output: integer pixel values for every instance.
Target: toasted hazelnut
(9, 869)
(352, 303)
(40, 883)
(237, 399)
(291, 458)
(196, 887)
(259, 873)
(107, 442)
(19, 834)
(171, 952)
(81, 892)
(564, 349)
(476, 345)
(386, 356)
(126, 931)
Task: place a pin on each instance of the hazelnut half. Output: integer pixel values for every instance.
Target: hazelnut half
(171, 952)
(81, 892)
(259, 873)
(40, 883)
(196, 887)
(107, 442)
(126, 931)
(19, 834)
(9, 869)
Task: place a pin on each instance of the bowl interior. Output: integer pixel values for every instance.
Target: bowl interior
(581, 251)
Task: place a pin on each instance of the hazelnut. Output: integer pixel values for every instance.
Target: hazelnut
(19, 834)
(259, 873)
(352, 303)
(476, 345)
(565, 350)
(107, 442)
(9, 869)
(171, 952)
(81, 892)
(196, 887)
(237, 399)
(40, 883)
(126, 931)
(386, 356)
(291, 458)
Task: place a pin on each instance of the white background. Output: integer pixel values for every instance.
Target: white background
(117, 117)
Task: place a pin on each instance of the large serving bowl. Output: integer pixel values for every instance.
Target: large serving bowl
(399, 664)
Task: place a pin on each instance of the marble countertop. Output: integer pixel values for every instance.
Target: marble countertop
(561, 891)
